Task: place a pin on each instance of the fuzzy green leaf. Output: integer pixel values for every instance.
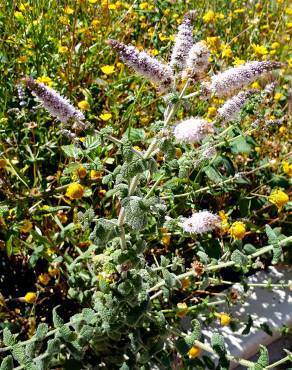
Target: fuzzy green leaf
(57, 320)
(41, 331)
(8, 338)
(53, 346)
(135, 214)
(217, 343)
(239, 258)
(71, 151)
(7, 363)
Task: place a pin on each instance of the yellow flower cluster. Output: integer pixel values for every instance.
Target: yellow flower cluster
(223, 318)
(30, 297)
(279, 198)
(237, 230)
(212, 17)
(75, 191)
(287, 168)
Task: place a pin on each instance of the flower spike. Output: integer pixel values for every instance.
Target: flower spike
(144, 64)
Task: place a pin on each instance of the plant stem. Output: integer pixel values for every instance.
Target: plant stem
(219, 266)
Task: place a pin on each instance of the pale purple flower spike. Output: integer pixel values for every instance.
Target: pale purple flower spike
(183, 42)
(233, 79)
(232, 107)
(201, 222)
(53, 102)
(197, 61)
(145, 65)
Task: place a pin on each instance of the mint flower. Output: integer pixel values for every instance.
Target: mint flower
(232, 107)
(183, 42)
(201, 222)
(145, 65)
(53, 102)
(192, 130)
(233, 79)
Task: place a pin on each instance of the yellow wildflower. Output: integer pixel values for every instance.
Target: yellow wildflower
(68, 10)
(287, 168)
(289, 25)
(224, 220)
(238, 11)
(45, 80)
(30, 297)
(282, 130)
(227, 52)
(75, 191)
(105, 116)
(256, 85)
(84, 105)
(209, 17)
(165, 240)
(162, 37)
(95, 175)
(237, 230)
(19, 16)
(223, 318)
(64, 20)
(211, 112)
(112, 6)
(237, 61)
(108, 70)
(290, 62)
(82, 172)
(278, 96)
(182, 309)
(194, 352)
(95, 22)
(53, 271)
(259, 49)
(143, 6)
(26, 227)
(24, 7)
(178, 152)
(44, 278)
(213, 42)
(279, 198)
(275, 45)
(92, 1)
(63, 49)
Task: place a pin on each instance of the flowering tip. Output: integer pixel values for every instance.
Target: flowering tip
(53, 102)
(192, 130)
(183, 43)
(201, 222)
(233, 79)
(144, 64)
(232, 107)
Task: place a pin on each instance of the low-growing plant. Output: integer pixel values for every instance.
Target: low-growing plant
(165, 219)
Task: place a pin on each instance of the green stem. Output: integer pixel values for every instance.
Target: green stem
(219, 266)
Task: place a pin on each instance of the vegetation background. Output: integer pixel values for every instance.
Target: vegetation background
(63, 45)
